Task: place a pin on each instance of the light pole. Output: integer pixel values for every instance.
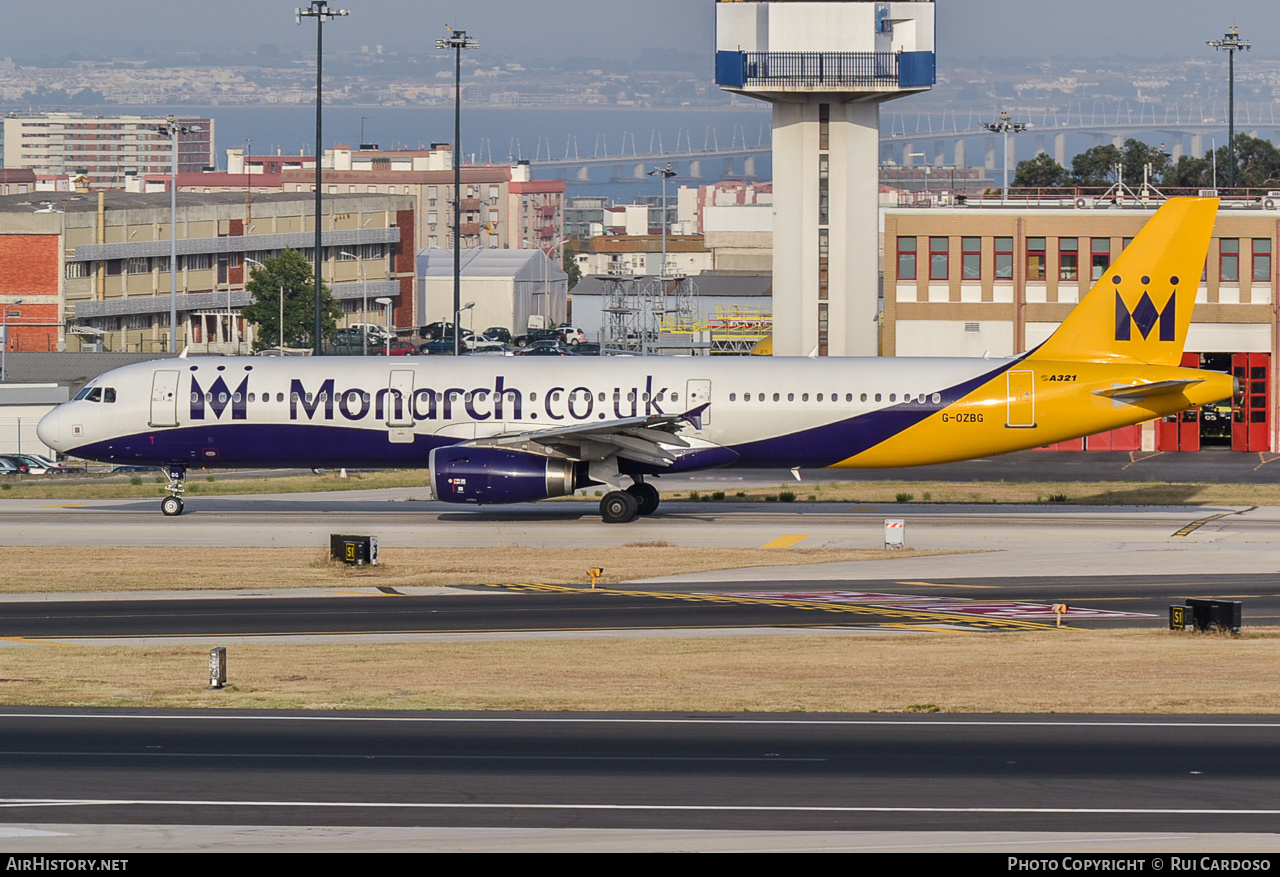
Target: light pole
(4, 333)
(666, 173)
(320, 11)
(1004, 125)
(364, 302)
(1231, 43)
(172, 129)
(458, 40)
(457, 324)
(386, 309)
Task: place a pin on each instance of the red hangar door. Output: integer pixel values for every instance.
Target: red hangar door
(1251, 406)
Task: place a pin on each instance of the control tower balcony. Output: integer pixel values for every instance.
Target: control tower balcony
(824, 71)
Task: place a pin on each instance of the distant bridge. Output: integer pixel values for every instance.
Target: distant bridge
(939, 137)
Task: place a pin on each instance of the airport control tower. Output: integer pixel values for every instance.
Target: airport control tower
(825, 67)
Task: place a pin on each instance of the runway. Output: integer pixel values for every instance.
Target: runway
(531, 611)
(654, 782)
(763, 773)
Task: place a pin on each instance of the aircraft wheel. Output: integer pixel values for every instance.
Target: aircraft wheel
(618, 507)
(646, 496)
(171, 506)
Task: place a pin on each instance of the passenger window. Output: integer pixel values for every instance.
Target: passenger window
(776, 397)
(937, 398)
(877, 397)
(804, 397)
(733, 397)
(819, 397)
(791, 397)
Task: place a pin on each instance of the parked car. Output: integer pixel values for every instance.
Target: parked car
(571, 334)
(29, 465)
(435, 331)
(501, 334)
(395, 347)
(546, 348)
(536, 335)
(373, 329)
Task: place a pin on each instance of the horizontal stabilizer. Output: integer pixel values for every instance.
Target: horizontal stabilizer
(1134, 392)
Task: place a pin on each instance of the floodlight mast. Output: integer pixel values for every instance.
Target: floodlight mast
(1004, 125)
(457, 41)
(172, 129)
(320, 11)
(1231, 43)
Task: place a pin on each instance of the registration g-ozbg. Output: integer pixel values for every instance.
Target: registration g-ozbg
(962, 417)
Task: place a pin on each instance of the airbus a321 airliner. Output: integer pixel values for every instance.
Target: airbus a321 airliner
(501, 430)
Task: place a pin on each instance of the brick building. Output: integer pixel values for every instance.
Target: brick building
(93, 270)
(989, 280)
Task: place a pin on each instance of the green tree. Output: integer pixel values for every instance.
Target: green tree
(1257, 163)
(1138, 154)
(1041, 172)
(292, 273)
(1096, 166)
(1189, 173)
(570, 264)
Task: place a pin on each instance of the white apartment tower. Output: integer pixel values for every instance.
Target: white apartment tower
(826, 67)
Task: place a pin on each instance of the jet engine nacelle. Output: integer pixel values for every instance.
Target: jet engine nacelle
(493, 475)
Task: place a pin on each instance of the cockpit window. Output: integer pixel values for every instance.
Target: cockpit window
(109, 395)
(95, 395)
(85, 392)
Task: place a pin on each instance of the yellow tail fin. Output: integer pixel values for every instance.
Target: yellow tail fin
(1141, 308)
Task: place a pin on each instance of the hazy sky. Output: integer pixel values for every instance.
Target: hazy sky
(542, 28)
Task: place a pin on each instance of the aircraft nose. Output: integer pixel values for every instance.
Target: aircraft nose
(51, 429)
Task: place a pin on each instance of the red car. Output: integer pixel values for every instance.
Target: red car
(398, 347)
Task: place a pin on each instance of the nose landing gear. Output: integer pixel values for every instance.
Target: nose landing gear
(171, 506)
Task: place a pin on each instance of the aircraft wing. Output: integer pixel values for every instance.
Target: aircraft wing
(633, 438)
(1139, 391)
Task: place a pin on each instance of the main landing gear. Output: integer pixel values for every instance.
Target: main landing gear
(623, 506)
(171, 506)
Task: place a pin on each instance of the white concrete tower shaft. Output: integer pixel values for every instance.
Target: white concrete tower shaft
(825, 67)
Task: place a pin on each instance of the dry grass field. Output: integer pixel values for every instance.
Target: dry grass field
(50, 570)
(1034, 672)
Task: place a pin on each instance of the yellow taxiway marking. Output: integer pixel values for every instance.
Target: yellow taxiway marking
(919, 615)
(1196, 525)
(946, 585)
(786, 541)
(66, 505)
(36, 642)
(1146, 455)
